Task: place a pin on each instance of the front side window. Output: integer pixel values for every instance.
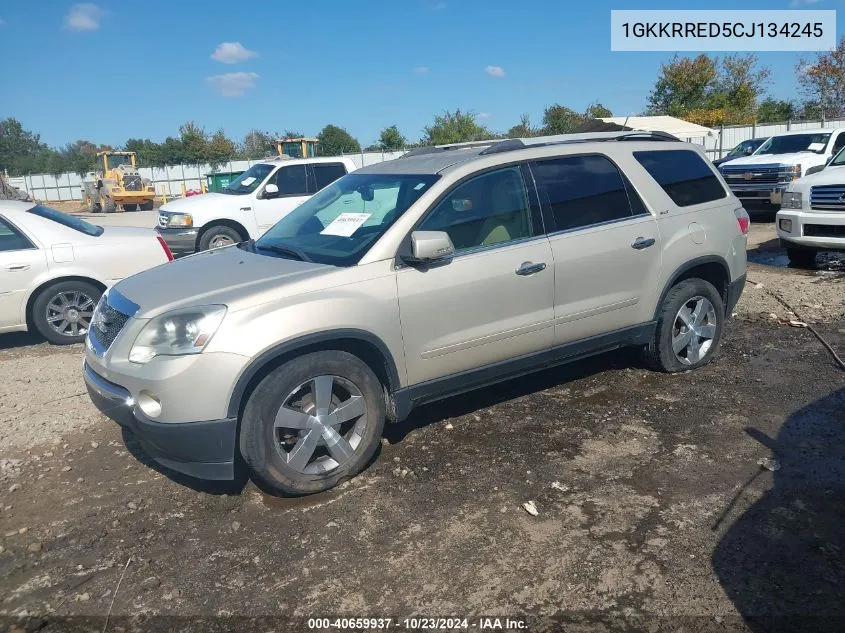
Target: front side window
(683, 175)
(11, 239)
(291, 180)
(65, 219)
(489, 209)
(248, 181)
(339, 224)
(839, 159)
(583, 191)
(791, 143)
(839, 143)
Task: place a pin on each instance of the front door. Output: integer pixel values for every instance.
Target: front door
(493, 301)
(20, 263)
(606, 246)
(292, 182)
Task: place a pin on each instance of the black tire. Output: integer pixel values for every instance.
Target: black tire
(109, 206)
(146, 206)
(219, 231)
(262, 445)
(38, 316)
(95, 208)
(659, 354)
(130, 207)
(801, 257)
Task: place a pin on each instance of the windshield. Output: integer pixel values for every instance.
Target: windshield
(249, 181)
(792, 143)
(743, 148)
(67, 220)
(116, 161)
(339, 224)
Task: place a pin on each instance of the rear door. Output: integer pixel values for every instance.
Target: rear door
(606, 245)
(493, 300)
(21, 262)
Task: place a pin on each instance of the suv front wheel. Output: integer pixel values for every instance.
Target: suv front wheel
(689, 327)
(312, 423)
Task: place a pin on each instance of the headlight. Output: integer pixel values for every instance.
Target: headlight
(792, 200)
(184, 331)
(796, 172)
(180, 219)
(785, 225)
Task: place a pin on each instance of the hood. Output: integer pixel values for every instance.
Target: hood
(827, 176)
(192, 204)
(222, 276)
(797, 158)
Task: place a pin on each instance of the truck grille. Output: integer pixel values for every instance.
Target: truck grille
(824, 230)
(107, 324)
(747, 174)
(828, 197)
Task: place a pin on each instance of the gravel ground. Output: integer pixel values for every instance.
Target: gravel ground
(711, 500)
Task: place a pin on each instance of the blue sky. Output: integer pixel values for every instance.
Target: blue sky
(109, 71)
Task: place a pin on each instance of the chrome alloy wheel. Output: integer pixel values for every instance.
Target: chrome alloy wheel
(69, 313)
(694, 330)
(320, 424)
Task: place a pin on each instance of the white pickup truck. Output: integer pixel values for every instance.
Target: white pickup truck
(249, 205)
(765, 175)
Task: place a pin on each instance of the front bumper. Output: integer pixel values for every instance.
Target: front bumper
(773, 194)
(205, 450)
(824, 230)
(180, 241)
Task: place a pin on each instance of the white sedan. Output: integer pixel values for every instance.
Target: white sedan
(54, 267)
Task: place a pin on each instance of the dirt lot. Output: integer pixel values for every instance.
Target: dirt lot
(654, 509)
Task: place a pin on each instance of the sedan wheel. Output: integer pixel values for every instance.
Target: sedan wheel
(62, 312)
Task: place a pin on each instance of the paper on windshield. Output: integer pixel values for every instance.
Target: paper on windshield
(815, 147)
(246, 182)
(346, 224)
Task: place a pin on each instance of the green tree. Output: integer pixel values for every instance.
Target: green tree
(148, 152)
(596, 111)
(683, 85)
(172, 152)
(775, 110)
(258, 144)
(20, 149)
(823, 80)
(220, 148)
(195, 143)
(391, 138)
(558, 119)
(739, 85)
(522, 129)
(336, 140)
(454, 127)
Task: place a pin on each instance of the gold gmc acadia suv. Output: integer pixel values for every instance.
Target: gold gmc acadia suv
(408, 281)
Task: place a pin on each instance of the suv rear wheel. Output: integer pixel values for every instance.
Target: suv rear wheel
(689, 327)
(312, 423)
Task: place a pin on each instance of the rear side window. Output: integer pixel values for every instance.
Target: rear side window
(65, 219)
(683, 175)
(11, 239)
(326, 173)
(583, 191)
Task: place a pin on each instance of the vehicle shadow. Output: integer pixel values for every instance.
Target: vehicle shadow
(14, 340)
(782, 562)
(233, 487)
(465, 403)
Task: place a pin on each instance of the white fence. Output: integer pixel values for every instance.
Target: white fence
(168, 180)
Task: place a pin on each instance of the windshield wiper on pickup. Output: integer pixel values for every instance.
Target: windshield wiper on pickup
(297, 253)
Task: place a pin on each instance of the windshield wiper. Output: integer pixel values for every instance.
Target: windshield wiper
(297, 253)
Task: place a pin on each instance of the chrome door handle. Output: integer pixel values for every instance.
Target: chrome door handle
(643, 242)
(529, 268)
(14, 268)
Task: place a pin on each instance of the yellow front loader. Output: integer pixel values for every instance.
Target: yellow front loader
(117, 184)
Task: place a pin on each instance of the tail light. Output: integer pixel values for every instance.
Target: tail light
(165, 247)
(741, 218)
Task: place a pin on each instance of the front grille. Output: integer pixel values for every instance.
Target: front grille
(132, 183)
(753, 174)
(824, 230)
(107, 324)
(162, 220)
(828, 197)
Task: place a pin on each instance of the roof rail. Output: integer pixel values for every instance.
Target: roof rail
(513, 144)
(436, 149)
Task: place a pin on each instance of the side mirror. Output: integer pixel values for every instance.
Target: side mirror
(271, 190)
(430, 246)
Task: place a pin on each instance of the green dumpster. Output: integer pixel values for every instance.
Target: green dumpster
(217, 181)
